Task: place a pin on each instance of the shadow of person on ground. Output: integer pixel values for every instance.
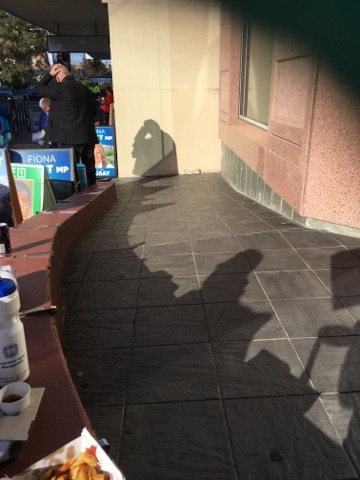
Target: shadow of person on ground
(154, 151)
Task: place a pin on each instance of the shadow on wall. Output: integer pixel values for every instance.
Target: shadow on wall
(154, 152)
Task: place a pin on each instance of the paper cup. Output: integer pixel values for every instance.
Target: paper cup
(14, 398)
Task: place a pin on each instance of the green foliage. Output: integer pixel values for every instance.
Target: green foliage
(93, 67)
(23, 50)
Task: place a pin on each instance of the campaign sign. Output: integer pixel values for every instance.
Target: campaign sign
(59, 162)
(105, 152)
(34, 189)
(6, 207)
(29, 181)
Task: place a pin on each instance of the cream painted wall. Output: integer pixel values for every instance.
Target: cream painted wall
(165, 63)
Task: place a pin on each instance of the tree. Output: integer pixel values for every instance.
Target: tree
(22, 52)
(92, 67)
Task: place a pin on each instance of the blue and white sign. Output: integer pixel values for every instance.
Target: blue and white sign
(59, 162)
(105, 152)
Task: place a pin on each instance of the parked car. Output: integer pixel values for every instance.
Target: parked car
(31, 92)
(5, 93)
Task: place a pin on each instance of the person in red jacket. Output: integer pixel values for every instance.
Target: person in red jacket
(105, 105)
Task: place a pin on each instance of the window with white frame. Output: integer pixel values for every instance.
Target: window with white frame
(255, 72)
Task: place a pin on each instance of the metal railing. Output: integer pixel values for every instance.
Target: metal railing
(19, 114)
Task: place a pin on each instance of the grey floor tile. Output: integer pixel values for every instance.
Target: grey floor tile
(121, 244)
(307, 317)
(221, 262)
(331, 362)
(70, 291)
(170, 325)
(347, 241)
(101, 232)
(99, 376)
(183, 441)
(331, 257)
(107, 423)
(104, 329)
(249, 226)
(285, 438)
(342, 282)
(219, 244)
(175, 248)
(131, 240)
(274, 260)
(113, 269)
(281, 223)
(242, 321)
(168, 291)
(76, 267)
(263, 241)
(111, 251)
(112, 293)
(343, 410)
(168, 265)
(352, 305)
(230, 287)
(259, 369)
(263, 323)
(292, 284)
(124, 229)
(172, 373)
(303, 238)
(159, 238)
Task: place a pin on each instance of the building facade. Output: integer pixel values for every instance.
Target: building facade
(198, 88)
(288, 126)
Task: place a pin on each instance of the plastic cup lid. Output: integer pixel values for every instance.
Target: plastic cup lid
(7, 287)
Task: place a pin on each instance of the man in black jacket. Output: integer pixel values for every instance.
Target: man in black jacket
(72, 116)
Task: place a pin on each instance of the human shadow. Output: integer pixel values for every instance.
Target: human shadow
(344, 281)
(211, 369)
(154, 151)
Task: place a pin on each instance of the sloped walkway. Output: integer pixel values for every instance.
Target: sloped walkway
(212, 339)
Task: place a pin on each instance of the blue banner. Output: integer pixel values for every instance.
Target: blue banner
(105, 152)
(58, 162)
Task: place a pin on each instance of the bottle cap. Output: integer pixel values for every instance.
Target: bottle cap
(7, 287)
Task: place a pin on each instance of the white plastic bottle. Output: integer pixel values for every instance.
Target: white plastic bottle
(14, 363)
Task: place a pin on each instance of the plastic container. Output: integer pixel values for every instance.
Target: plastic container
(14, 363)
(82, 176)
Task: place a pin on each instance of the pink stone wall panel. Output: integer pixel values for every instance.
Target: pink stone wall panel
(290, 98)
(248, 149)
(289, 151)
(224, 91)
(333, 179)
(286, 178)
(224, 131)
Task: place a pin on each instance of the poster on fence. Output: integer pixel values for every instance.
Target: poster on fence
(105, 153)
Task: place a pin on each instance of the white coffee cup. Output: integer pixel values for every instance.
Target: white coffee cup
(14, 398)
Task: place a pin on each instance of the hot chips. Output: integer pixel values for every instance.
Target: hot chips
(84, 467)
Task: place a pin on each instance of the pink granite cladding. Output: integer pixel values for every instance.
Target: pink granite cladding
(333, 177)
(291, 91)
(284, 177)
(290, 151)
(289, 127)
(249, 142)
(224, 92)
(310, 154)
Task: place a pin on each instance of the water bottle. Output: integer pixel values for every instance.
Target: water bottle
(14, 363)
(82, 175)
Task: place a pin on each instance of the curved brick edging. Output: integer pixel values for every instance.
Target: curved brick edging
(40, 246)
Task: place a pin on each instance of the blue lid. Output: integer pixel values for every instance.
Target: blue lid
(7, 287)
